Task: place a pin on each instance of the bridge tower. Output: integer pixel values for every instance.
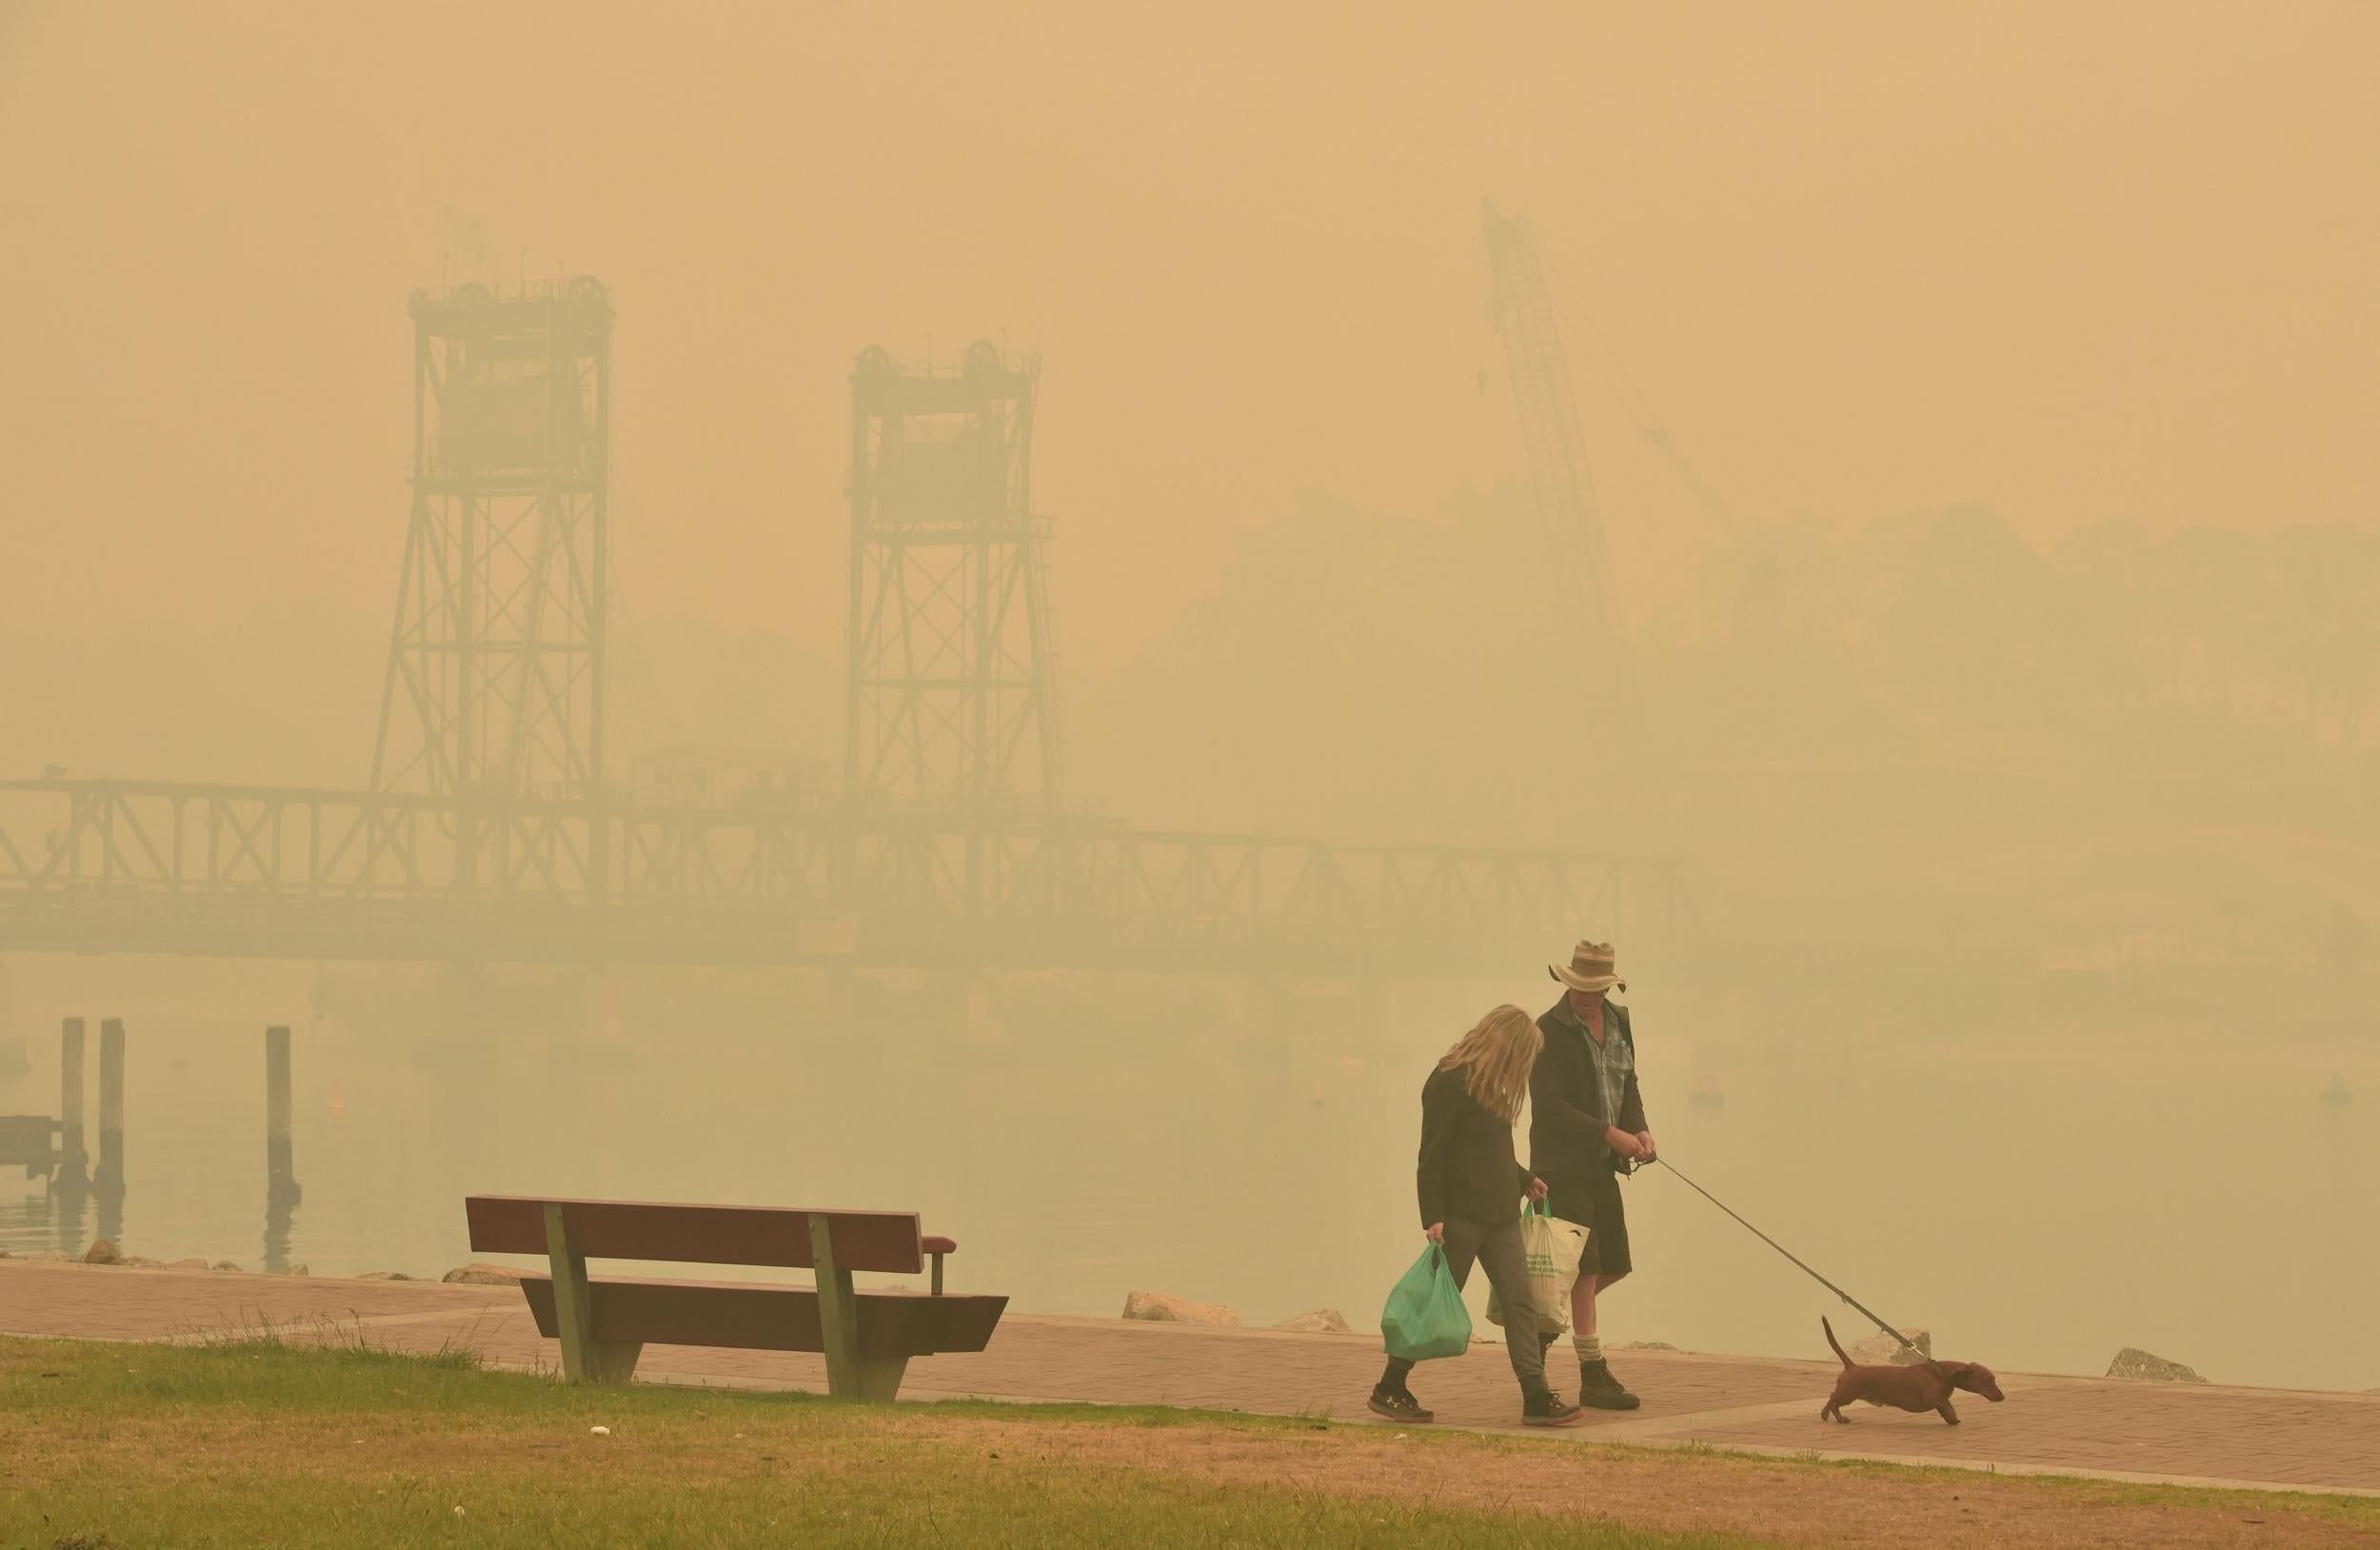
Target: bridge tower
(495, 676)
(952, 689)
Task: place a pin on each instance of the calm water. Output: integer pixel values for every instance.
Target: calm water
(2038, 1203)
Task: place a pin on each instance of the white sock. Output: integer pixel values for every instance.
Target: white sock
(1590, 1347)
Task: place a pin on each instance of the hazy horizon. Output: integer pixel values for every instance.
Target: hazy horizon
(1857, 259)
(2014, 723)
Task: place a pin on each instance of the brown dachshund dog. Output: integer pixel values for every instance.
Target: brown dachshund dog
(1926, 1386)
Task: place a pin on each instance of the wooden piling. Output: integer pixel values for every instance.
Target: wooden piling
(111, 1175)
(72, 1159)
(280, 1180)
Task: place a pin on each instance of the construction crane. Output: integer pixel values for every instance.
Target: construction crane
(1686, 469)
(1561, 484)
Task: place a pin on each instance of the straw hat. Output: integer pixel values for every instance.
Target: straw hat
(1591, 969)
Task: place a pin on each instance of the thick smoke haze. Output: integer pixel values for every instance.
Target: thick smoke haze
(2073, 263)
(1980, 403)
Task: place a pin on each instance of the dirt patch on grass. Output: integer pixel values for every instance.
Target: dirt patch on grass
(1784, 1503)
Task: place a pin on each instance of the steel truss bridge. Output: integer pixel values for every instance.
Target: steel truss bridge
(492, 832)
(102, 865)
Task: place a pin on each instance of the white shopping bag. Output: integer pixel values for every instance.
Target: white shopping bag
(1554, 1248)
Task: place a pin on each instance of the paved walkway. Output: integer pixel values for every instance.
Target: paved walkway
(2109, 1427)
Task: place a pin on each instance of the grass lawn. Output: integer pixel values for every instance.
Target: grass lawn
(266, 1443)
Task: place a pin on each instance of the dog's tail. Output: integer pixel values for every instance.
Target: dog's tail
(1832, 1341)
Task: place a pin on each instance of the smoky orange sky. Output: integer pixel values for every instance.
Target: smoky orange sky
(2073, 261)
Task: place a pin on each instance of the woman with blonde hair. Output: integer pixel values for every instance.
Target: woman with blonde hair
(1470, 1186)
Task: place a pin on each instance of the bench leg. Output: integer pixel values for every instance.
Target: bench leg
(584, 1359)
(838, 1315)
(879, 1377)
(612, 1362)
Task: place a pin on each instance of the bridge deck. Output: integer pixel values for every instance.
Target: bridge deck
(92, 866)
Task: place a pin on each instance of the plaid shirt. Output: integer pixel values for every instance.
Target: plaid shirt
(1614, 1058)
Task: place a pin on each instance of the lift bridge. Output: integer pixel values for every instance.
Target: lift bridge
(489, 832)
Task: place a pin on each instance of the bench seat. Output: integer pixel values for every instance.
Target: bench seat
(604, 1324)
(751, 1316)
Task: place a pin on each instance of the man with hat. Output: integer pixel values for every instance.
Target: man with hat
(1586, 1128)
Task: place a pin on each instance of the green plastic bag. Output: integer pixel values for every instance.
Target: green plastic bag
(1425, 1316)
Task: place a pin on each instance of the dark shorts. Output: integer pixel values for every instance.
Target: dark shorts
(1593, 1201)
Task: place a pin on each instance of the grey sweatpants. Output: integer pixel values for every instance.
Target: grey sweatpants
(1499, 1252)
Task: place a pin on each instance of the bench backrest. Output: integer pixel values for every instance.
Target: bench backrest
(887, 1243)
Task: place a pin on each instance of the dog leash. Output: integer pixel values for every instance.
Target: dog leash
(1788, 1254)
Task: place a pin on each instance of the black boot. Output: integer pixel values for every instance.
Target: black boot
(1547, 1409)
(1597, 1387)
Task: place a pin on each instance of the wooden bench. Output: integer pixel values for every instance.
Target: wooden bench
(867, 1337)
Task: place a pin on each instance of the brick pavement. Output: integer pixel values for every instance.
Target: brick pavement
(2108, 1427)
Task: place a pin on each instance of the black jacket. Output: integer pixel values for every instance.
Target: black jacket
(1567, 1122)
(1468, 1171)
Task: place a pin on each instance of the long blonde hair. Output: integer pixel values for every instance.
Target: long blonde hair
(1497, 1057)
